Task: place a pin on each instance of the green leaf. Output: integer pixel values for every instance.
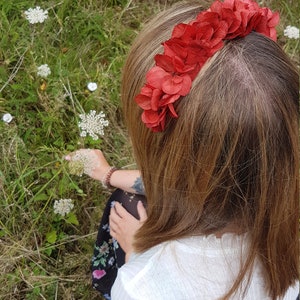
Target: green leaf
(2, 233)
(46, 175)
(40, 197)
(51, 237)
(72, 219)
(70, 147)
(48, 251)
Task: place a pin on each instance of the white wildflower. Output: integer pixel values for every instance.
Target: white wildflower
(43, 71)
(88, 160)
(36, 15)
(92, 124)
(92, 86)
(63, 206)
(7, 118)
(291, 32)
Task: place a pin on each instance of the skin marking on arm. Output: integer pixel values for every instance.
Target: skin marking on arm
(138, 186)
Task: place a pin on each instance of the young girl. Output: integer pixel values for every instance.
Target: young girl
(211, 104)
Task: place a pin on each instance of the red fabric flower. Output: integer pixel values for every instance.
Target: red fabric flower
(190, 46)
(156, 119)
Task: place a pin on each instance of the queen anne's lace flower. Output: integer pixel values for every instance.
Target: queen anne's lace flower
(92, 86)
(63, 206)
(83, 161)
(7, 118)
(43, 71)
(291, 32)
(92, 124)
(36, 15)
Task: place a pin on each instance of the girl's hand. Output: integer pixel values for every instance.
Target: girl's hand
(93, 162)
(123, 225)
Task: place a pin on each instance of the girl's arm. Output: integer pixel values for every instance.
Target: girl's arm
(96, 166)
(128, 180)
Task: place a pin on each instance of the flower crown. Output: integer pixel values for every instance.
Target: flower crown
(190, 46)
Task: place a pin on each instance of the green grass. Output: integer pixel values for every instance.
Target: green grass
(43, 256)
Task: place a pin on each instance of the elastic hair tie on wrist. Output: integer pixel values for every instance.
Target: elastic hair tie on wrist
(106, 178)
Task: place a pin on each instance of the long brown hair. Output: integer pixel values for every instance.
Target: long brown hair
(231, 157)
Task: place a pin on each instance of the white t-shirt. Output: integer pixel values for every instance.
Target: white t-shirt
(195, 268)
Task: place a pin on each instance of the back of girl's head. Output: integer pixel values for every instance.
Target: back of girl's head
(231, 156)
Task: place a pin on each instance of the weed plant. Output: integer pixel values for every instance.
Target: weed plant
(44, 255)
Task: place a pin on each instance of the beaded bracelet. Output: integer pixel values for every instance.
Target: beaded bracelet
(106, 178)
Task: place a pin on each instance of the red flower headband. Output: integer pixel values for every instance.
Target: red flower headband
(190, 46)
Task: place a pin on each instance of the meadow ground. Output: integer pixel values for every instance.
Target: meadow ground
(45, 69)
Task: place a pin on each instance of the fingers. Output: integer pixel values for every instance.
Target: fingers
(93, 162)
(117, 217)
(142, 211)
(113, 233)
(85, 152)
(114, 220)
(121, 211)
(68, 157)
(114, 217)
(118, 212)
(123, 226)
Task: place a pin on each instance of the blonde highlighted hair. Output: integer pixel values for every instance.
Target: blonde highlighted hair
(231, 157)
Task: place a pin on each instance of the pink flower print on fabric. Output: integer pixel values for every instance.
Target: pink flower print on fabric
(98, 274)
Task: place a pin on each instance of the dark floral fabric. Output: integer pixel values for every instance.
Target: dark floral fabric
(108, 255)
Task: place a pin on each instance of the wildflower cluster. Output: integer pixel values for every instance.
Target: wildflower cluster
(92, 86)
(291, 32)
(83, 161)
(36, 15)
(43, 71)
(63, 206)
(7, 118)
(92, 124)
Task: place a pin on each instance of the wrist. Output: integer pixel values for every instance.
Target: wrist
(107, 176)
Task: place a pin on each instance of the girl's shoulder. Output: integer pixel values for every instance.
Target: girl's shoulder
(188, 268)
(189, 247)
